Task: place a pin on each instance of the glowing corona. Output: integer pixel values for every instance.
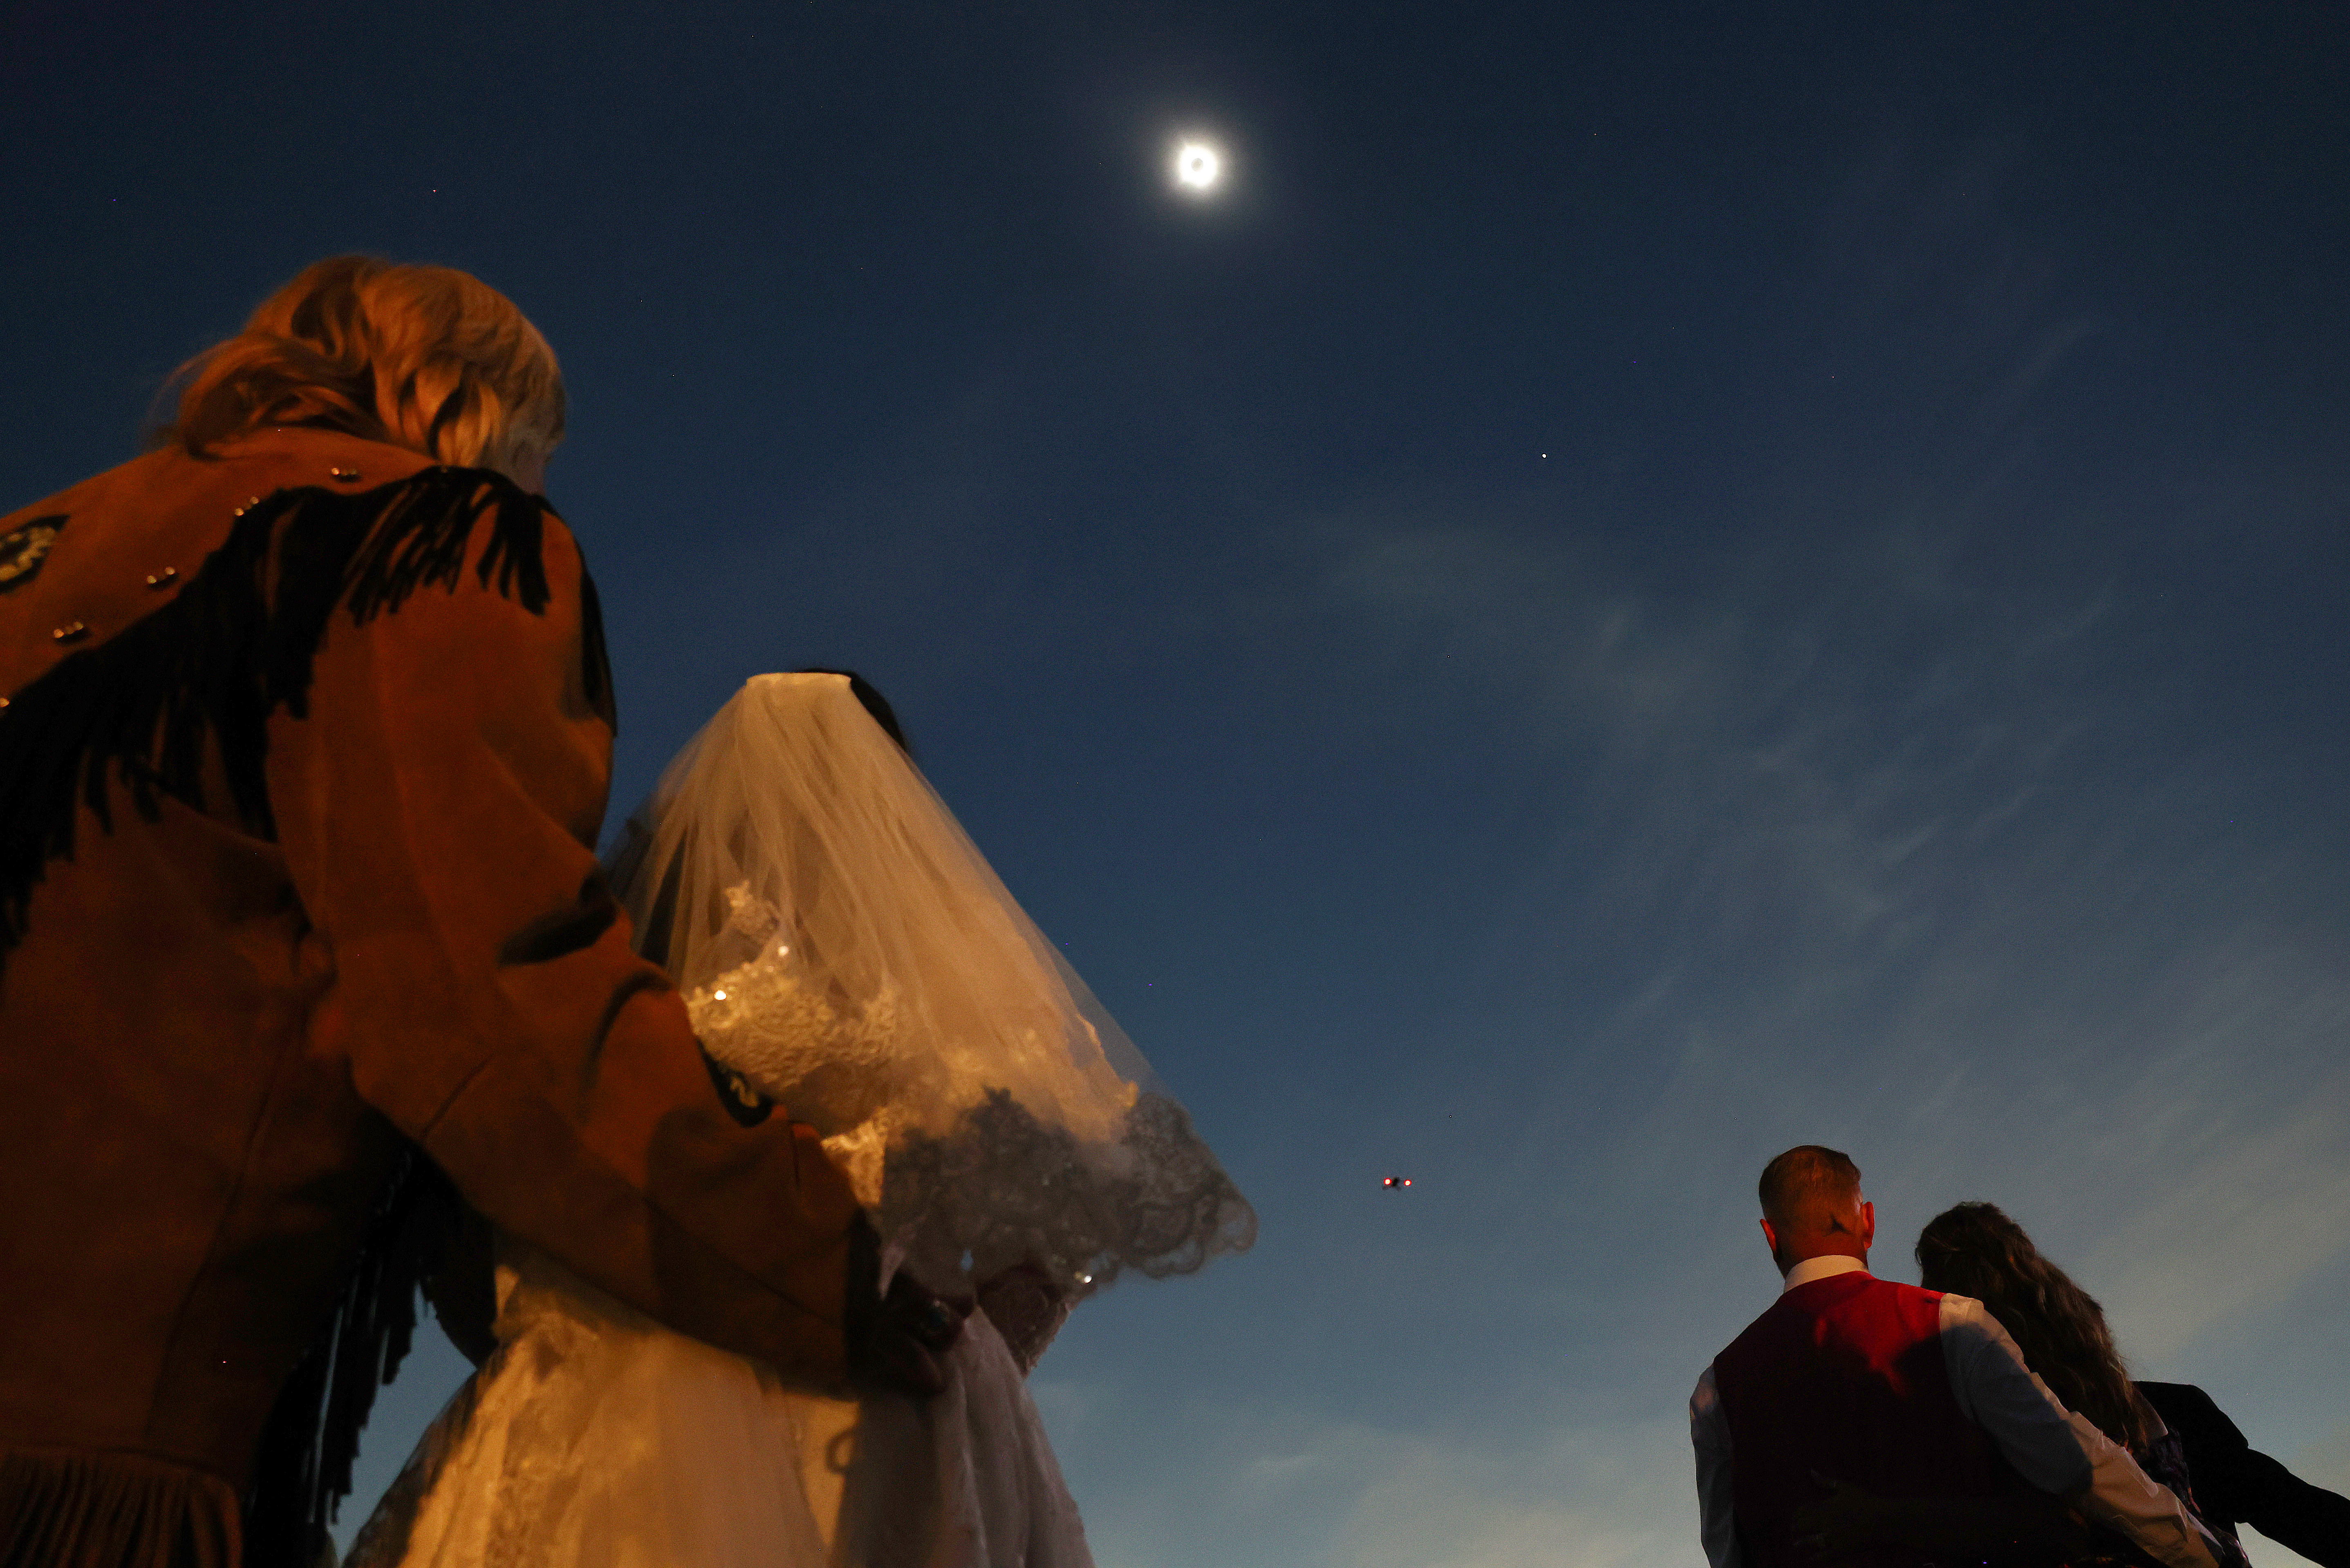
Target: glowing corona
(1198, 167)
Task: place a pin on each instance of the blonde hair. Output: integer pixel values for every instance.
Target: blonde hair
(425, 358)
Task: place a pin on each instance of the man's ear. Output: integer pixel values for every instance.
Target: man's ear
(1772, 1236)
(1867, 1226)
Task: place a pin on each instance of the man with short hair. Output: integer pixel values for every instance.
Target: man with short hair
(1901, 1392)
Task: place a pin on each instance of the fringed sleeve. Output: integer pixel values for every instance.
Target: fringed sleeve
(437, 788)
(113, 1511)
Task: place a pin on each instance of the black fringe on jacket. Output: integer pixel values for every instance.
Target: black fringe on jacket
(115, 1510)
(143, 710)
(303, 1470)
(236, 644)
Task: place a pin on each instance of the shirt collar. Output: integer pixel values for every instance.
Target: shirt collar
(1811, 1269)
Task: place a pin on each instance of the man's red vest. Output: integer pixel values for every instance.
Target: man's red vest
(1843, 1378)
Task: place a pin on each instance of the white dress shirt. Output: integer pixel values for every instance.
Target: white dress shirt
(2053, 1449)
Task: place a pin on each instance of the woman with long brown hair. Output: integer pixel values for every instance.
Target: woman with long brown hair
(1975, 1250)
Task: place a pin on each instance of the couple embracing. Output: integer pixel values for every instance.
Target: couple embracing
(1982, 1418)
(755, 1166)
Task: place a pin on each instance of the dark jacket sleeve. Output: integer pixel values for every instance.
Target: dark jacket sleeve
(437, 807)
(2233, 1481)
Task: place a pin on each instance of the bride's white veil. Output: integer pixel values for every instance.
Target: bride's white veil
(843, 945)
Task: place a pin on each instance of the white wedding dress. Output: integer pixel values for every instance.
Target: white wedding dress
(845, 950)
(597, 1438)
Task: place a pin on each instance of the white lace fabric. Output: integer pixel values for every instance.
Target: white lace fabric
(597, 1438)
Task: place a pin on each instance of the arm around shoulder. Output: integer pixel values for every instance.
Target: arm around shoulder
(2054, 1448)
(438, 789)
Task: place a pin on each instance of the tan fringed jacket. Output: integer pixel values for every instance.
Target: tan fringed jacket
(304, 753)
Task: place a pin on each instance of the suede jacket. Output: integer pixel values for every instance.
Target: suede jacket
(302, 758)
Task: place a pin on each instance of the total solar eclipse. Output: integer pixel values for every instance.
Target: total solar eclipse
(1198, 168)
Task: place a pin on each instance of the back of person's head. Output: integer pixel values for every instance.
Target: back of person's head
(1811, 1191)
(870, 698)
(425, 358)
(1975, 1250)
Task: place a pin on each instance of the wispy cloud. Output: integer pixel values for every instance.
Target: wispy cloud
(1906, 858)
(1346, 1495)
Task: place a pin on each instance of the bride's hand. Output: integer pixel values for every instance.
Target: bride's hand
(912, 1329)
(893, 1341)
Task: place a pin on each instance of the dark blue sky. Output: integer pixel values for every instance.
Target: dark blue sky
(1644, 585)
